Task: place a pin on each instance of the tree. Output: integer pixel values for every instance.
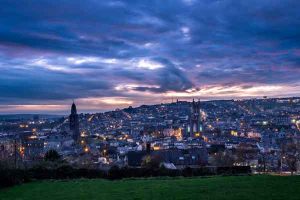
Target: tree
(292, 156)
(152, 162)
(223, 159)
(52, 156)
(244, 153)
(262, 160)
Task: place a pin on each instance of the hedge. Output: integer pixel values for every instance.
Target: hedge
(10, 177)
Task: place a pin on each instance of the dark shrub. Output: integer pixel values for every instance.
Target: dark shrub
(10, 177)
(114, 173)
(52, 156)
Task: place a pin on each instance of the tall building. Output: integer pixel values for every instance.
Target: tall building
(74, 123)
(195, 122)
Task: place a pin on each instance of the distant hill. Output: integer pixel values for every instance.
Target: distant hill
(28, 116)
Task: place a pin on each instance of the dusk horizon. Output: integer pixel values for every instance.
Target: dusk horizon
(65, 109)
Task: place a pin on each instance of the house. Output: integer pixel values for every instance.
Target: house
(178, 157)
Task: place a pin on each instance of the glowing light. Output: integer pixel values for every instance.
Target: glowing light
(83, 134)
(197, 134)
(104, 152)
(253, 135)
(234, 133)
(22, 151)
(156, 148)
(178, 134)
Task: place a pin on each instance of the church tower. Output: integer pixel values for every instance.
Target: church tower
(195, 122)
(74, 123)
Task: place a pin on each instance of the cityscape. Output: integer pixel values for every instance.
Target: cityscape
(149, 99)
(261, 133)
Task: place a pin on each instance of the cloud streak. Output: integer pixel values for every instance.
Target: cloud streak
(120, 53)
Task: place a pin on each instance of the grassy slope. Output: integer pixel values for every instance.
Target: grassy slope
(241, 188)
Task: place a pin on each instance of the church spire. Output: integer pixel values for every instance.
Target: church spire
(74, 123)
(73, 109)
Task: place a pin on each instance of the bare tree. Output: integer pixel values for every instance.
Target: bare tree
(244, 153)
(151, 161)
(263, 160)
(223, 159)
(292, 156)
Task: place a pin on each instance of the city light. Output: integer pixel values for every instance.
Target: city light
(156, 148)
(234, 133)
(124, 90)
(23, 125)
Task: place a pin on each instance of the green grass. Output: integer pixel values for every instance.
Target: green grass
(239, 187)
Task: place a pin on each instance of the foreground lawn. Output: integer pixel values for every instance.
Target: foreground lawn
(240, 188)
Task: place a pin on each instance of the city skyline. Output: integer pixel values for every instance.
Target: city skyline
(115, 54)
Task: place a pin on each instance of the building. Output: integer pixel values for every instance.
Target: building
(195, 122)
(7, 148)
(74, 123)
(178, 157)
(33, 148)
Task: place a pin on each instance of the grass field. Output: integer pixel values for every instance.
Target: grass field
(239, 187)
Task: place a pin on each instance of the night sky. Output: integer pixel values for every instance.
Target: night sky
(113, 54)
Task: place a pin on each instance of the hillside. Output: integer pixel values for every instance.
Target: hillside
(231, 188)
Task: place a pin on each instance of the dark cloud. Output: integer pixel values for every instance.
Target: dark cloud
(41, 84)
(172, 79)
(196, 44)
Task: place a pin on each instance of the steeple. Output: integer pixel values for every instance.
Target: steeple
(195, 124)
(73, 109)
(74, 123)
